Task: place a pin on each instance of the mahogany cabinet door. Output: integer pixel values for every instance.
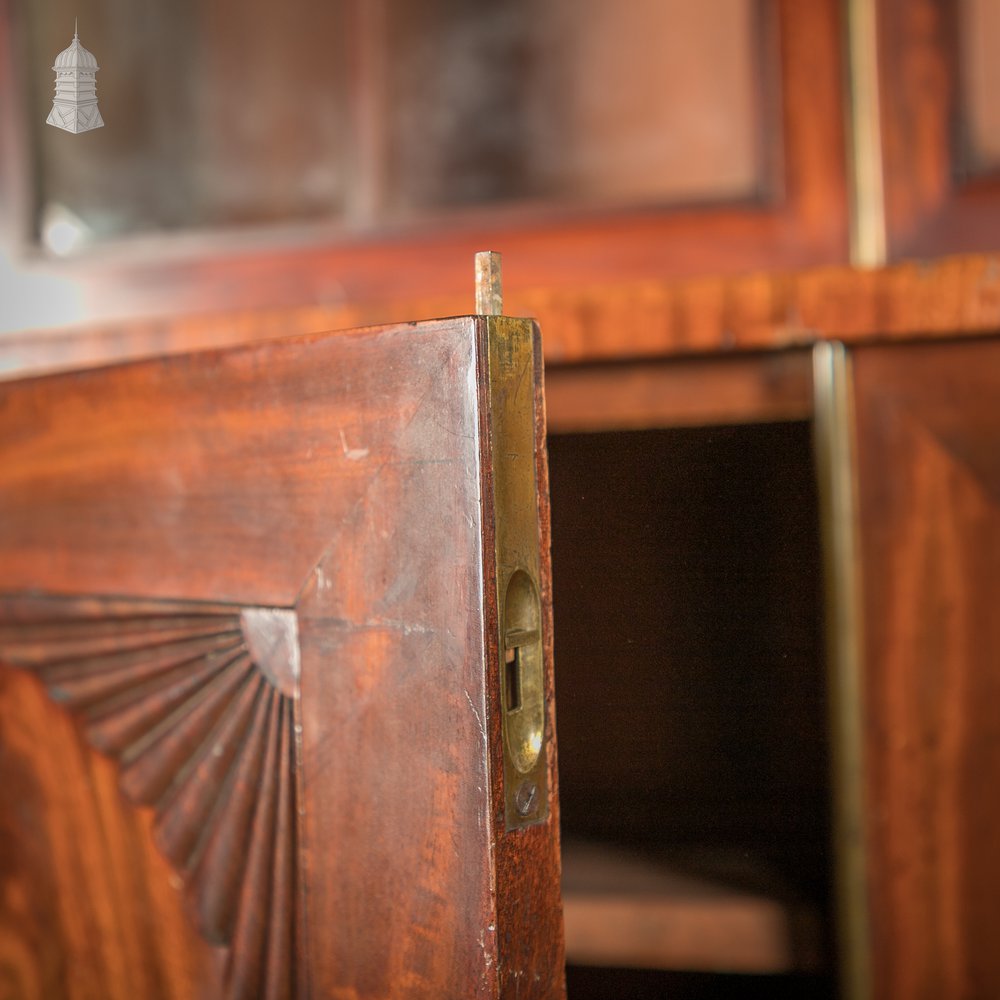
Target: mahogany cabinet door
(926, 456)
(263, 726)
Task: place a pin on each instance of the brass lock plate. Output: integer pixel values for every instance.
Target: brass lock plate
(511, 359)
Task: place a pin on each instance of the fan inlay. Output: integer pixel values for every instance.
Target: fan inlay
(197, 706)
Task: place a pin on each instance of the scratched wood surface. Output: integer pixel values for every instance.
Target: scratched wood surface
(316, 824)
(929, 519)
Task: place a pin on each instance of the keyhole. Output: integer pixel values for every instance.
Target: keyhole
(512, 674)
(522, 680)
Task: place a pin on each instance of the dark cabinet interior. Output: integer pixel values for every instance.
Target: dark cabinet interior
(692, 720)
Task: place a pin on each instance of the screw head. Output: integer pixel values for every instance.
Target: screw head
(526, 798)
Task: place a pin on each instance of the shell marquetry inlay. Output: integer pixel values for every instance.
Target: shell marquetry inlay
(197, 705)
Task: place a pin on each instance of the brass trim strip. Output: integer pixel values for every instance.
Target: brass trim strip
(489, 283)
(833, 442)
(868, 225)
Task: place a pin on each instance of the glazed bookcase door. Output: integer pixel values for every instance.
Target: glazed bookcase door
(251, 733)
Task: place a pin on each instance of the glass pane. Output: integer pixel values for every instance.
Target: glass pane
(572, 101)
(366, 111)
(980, 82)
(215, 114)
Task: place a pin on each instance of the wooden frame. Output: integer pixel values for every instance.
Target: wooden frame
(801, 220)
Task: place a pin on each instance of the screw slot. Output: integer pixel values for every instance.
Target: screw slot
(526, 798)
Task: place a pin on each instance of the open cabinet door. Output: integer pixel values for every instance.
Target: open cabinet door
(276, 711)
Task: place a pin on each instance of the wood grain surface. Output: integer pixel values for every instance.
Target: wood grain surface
(603, 321)
(89, 907)
(927, 427)
(629, 910)
(342, 478)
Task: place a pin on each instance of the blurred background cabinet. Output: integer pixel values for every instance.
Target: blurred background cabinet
(357, 152)
(658, 175)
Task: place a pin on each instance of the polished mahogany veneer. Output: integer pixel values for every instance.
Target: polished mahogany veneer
(255, 590)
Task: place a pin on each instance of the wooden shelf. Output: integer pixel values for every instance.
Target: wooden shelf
(680, 392)
(627, 910)
(631, 320)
